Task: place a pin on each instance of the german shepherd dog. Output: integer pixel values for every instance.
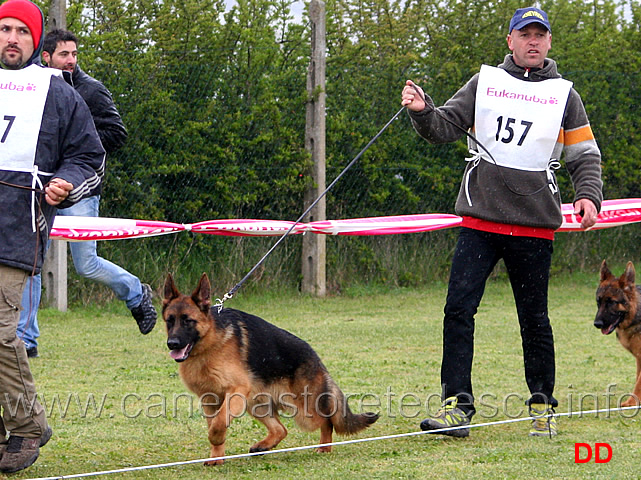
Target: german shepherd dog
(618, 309)
(236, 363)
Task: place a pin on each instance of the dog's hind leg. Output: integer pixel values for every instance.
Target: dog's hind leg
(327, 428)
(276, 432)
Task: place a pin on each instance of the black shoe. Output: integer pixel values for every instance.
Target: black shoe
(32, 352)
(145, 313)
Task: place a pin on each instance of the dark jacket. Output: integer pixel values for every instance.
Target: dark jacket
(497, 191)
(108, 123)
(68, 147)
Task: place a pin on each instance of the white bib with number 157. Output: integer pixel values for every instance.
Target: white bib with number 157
(519, 121)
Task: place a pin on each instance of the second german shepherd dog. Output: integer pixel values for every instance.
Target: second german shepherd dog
(236, 363)
(618, 309)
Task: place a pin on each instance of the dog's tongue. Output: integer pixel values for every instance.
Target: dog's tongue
(609, 330)
(179, 354)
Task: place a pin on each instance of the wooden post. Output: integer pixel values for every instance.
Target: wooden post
(54, 276)
(57, 15)
(314, 246)
(54, 269)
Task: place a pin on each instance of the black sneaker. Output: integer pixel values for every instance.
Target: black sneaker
(145, 313)
(449, 417)
(32, 352)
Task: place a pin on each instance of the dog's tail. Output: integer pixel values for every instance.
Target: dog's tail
(346, 422)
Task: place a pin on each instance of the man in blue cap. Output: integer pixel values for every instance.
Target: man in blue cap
(527, 117)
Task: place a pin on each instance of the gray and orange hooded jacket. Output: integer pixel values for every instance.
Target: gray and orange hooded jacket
(514, 196)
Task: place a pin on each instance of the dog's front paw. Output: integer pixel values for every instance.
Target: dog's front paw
(216, 455)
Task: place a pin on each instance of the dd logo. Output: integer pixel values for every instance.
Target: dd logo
(587, 454)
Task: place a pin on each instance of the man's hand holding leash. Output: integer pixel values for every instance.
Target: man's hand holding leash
(57, 190)
(412, 97)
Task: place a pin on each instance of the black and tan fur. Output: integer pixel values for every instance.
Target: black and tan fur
(238, 363)
(618, 310)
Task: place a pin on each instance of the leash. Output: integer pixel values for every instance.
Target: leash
(37, 247)
(477, 142)
(220, 301)
(232, 292)
(340, 443)
(22, 187)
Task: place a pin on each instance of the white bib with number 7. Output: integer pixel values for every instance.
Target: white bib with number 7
(23, 94)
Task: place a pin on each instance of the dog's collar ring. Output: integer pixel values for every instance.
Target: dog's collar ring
(219, 302)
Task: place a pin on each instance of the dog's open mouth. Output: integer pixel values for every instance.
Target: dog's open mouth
(182, 354)
(609, 330)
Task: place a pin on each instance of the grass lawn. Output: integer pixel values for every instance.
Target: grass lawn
(115, 400)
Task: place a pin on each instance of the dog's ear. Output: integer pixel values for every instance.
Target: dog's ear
(628, 277)
(170, 291)
(605, 271)
(202, 294)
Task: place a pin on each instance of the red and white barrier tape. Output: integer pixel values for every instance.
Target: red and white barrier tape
(614, 213)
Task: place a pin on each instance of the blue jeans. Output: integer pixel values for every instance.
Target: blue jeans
(28, 329)
(527, 260)
(88, 264)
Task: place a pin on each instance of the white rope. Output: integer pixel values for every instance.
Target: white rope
(344, 442)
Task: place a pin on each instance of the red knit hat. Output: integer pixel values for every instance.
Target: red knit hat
(27, 12)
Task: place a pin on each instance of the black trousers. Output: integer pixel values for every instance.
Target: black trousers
(527, 260)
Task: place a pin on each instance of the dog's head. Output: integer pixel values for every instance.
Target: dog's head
(186, 317)
(615, 298)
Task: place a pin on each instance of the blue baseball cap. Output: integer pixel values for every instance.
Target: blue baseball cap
(525, 16)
